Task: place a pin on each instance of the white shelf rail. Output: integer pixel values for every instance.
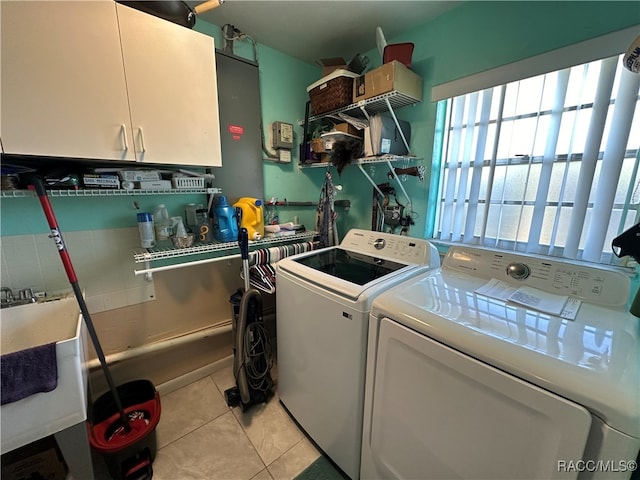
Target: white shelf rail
(147, 256)
(104, 192)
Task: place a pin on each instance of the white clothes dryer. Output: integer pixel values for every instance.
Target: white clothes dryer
(323, 300)
(462, 384)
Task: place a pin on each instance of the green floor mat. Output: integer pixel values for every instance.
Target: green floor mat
(321, 469)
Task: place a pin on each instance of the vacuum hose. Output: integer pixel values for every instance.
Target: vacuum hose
(239, 360)
(241, 326)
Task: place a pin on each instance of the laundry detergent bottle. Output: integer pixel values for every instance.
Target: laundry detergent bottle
(226, 228)
(251, 216)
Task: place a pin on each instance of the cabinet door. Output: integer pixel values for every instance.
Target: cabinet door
(63, 85)
(171, 80)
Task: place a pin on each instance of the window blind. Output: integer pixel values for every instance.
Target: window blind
(544, 165)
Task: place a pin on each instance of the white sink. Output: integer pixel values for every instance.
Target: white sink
(43, 414)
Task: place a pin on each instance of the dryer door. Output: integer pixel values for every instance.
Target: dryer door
(440, 414)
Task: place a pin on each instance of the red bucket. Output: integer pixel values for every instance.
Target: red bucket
(129, 454)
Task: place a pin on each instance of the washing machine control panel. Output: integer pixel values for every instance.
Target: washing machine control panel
(391, 247)
(593, 284)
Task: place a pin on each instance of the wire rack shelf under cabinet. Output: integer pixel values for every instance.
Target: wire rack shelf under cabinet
(110, 193)
(161, 253)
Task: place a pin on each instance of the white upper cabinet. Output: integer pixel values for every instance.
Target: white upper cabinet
(63, 85)
(95, 79)
(173, 94)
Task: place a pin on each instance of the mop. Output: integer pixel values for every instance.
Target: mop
(134, 423)
(252, 348)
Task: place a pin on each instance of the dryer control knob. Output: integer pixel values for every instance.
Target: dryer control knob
(519, 271)
(379, 243)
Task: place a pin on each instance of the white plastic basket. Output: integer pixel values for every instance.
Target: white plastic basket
(188, 182)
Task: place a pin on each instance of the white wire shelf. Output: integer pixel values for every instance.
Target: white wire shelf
(376, 104)
(366, 160)
(103, 192)
(161, 253)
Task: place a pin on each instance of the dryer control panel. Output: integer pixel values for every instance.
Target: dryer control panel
(592, 284)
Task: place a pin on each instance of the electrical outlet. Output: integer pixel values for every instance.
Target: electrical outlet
(284, 155)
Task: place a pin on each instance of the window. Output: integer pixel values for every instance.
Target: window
(545, 165)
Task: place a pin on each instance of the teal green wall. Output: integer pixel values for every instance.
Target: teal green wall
(478, 35)
(470, 38)
(22, 216)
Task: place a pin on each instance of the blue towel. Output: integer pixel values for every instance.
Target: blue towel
(29, 371)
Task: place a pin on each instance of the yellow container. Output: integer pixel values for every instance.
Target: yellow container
(252, 216)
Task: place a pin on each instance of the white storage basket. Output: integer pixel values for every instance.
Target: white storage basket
(188, 182)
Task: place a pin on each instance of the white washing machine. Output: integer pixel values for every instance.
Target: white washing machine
(323, 302)
(462, 384)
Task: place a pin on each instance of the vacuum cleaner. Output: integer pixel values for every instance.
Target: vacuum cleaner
(122, 422)
(252, 348)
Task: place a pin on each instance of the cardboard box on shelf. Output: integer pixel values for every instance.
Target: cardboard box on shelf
(100, 180)
(331, 64)
(387, 78)
(348, 128)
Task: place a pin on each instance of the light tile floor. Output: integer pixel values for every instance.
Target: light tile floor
(200, 437)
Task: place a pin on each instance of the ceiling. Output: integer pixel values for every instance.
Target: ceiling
(312, 29)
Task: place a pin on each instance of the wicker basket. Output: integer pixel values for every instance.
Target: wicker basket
(317, 145)
(332, 94)
(188, 182)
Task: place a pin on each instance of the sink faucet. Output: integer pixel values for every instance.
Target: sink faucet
(7, 298)
(27, 296)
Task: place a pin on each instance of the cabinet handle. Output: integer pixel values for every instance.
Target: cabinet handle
(123, 131)
(141, 136)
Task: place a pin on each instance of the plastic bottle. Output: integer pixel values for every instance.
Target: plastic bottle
(190, 215)
(162, 223)
(145, 227)
(177, 227)
(252, 216)
(204, 228)
(226, 229)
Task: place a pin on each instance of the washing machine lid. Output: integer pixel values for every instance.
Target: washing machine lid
(344, 272)
(354, 267)
(592, 360)
(363, 264)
